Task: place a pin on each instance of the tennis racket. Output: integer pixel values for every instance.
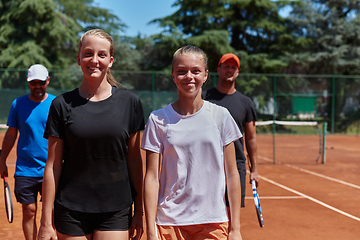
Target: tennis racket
(257, 204)
(8, 201)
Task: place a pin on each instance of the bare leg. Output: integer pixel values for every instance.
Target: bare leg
(105, 235)
(68, 237)
(97, 235)
(29, 221)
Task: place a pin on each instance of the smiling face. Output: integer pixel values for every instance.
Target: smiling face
(228, 71)
(94, 57)
(189, 73)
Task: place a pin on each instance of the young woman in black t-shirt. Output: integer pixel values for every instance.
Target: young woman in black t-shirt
(93, 172)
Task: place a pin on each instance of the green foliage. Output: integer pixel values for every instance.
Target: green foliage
(66, 80)
(254, 27)
(32, 31)
(347, 99)
(214, 43)
(47, 32)
(329, 30)
(255, 86)
(125, 55)
(28, 53)
(88, 16)
(165, 44)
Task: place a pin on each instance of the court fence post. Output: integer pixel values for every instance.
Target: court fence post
(153, 90)
(333, 82)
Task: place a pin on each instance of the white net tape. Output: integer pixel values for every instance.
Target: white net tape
(290, 123)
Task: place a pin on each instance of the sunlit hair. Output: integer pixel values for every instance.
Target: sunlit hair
(190, 49)
(102, 34)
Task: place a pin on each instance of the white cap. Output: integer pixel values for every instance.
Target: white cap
(38, 72)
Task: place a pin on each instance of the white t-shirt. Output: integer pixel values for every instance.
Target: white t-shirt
(192, 178)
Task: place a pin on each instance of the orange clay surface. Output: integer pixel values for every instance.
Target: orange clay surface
(301, 199)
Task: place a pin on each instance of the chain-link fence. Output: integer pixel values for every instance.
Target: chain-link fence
(322, 98)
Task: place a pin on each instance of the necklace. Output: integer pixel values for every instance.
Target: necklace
(84, 94)
(99, 95)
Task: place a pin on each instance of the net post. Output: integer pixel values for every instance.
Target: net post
(274, 116)
(273, 134)
(323, 142)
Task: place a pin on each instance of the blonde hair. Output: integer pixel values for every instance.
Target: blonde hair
(190, 49)
(102, 34)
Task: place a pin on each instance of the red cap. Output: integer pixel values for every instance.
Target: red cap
(228, 56)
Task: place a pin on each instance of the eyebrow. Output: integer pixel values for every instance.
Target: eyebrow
(101, 50)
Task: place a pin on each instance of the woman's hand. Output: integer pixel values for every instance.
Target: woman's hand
(46, 233)
(136, 229)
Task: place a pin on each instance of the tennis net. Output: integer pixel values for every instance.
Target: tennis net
(291, 141)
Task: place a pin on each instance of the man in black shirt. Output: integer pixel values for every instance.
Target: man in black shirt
(242, 110)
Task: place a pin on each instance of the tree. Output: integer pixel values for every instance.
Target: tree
(254, 27)
(165, 44)
(88, 16)
(331, 29)
(47, 31)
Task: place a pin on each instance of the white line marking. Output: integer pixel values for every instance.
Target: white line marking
(316, 174)
(311, 199)
(277, 197)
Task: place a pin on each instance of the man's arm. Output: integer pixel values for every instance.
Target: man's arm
(251, 148)
(7, 145)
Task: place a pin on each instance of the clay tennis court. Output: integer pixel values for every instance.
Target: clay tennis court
(300, 198)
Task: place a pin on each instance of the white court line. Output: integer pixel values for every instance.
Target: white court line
(277, 197)
(316, 174)
(311, 199)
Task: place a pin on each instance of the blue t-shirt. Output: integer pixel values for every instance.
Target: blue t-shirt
(30, 118)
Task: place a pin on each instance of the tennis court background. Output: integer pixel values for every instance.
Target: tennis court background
(322, 98)
(287, 215)
(300, 199)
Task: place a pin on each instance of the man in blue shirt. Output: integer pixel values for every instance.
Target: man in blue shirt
(28, 115)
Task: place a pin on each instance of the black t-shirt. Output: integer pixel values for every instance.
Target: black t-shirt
(241, 109)
(94, 176)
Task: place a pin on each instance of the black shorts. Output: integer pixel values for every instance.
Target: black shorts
(75, 223)
(242, 173)
(27, 189)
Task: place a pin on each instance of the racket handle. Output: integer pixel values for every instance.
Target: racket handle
(253, 183)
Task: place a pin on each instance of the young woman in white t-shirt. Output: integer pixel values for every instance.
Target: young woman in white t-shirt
(190, 159)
